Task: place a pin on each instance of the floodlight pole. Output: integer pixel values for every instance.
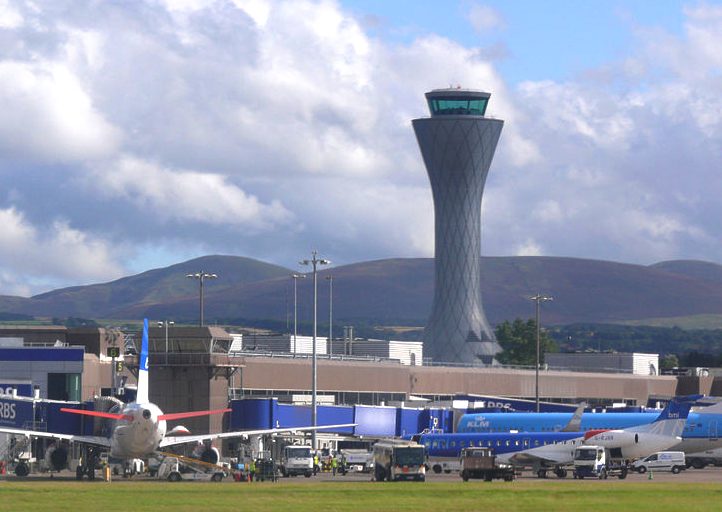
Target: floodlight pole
(201, 276)
(538, 298)
(314, 262)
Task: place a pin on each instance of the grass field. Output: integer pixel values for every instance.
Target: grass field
(431, 496)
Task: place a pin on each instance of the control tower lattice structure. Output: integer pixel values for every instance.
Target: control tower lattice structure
(457, 144)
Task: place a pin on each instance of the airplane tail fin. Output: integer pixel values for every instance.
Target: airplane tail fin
(672, 419)
(575, 423)
(142, 396)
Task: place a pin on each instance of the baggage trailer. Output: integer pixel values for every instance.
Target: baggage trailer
(481, 463)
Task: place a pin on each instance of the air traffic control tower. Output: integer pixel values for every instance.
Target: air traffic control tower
(457, 143)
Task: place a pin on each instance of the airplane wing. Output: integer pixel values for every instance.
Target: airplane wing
(530, 459)
(92, 440)
(575, 423)
(174, 440)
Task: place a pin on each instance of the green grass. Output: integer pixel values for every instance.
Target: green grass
(297, 497)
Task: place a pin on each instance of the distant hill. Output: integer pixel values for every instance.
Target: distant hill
(395, 292)
(158, 286)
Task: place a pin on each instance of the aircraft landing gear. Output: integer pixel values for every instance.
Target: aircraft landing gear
(87, 464)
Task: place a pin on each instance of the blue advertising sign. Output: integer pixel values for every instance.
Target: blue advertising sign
(16, 413)
(24, 388)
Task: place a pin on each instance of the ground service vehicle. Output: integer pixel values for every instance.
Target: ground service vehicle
(399, 460)
(357, 459)
(594, 462)
(661, 461)
(296, 460)
(175, 470)
(481, 463)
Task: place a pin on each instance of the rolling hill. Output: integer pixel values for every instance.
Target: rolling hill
(395, 292)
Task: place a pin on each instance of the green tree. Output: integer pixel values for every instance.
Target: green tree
(518, 341)
(669, 361)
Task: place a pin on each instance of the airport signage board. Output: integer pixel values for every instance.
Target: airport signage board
(16, 413)
(24, 388)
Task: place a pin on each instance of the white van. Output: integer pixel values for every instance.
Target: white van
(661, 461)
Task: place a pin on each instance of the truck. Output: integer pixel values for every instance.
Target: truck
(356, 459)
(481, 463)
(595, 462)
(296, 460)
(175, 469)
(399, 460)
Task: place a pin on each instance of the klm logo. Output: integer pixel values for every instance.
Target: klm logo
(477, 423)
(673, 415)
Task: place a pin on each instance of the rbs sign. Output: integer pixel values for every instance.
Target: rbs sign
(7, 411)
(15, 413)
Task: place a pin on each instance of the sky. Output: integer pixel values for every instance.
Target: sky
(135, 135)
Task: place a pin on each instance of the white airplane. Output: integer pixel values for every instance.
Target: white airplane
(635, 442)
(140, 427)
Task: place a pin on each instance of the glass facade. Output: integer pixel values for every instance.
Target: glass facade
(457, 106)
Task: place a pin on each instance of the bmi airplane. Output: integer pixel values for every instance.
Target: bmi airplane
(140, 427)
(552, 450)
(700, 433)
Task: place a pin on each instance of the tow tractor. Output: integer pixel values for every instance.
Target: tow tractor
(175, 468)
(595, 462)
(481, 463)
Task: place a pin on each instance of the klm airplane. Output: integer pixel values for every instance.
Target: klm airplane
(543, 451)
(700, 432)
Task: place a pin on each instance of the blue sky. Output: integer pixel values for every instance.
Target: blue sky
(541, 40)
(136, 135)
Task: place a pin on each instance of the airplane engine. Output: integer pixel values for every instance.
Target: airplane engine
(207, 453)
(56, 457)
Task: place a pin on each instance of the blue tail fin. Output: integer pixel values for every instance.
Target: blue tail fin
(142, 396)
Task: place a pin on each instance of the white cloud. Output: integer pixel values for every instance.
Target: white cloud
(484, 18)
(47, 115)
(185, 195)
(53, 254)
(285, 125)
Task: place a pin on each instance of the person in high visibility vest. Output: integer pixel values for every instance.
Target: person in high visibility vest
(334, 465)
(315, 464)
(252, 469)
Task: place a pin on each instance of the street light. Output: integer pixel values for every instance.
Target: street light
(314, 262)
(330, 308)
(166, 323)
(538, 298)
(201, 276)
(295, 278)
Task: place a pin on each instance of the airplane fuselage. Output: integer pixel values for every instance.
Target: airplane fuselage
(139, 433)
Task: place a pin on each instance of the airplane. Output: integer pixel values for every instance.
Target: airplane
(699, 434)
(552, 450)
(139, 429)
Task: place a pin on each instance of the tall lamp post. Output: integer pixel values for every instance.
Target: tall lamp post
(295, 278)
(314, 262)
(201, 276)
(330, 308)
(166, 323)
(538, 298)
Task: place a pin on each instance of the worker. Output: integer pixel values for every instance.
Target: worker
(251, 469)
(334, 465)
(315, 464)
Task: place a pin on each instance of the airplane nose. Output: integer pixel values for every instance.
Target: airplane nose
(146, 414)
